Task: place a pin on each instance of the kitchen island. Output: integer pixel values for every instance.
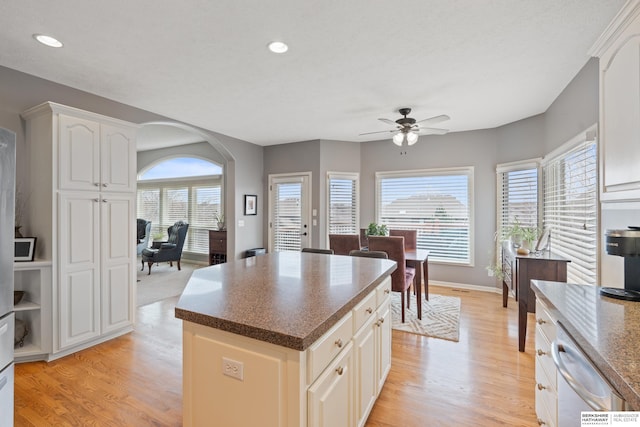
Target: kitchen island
(295, 339)
(607, 330)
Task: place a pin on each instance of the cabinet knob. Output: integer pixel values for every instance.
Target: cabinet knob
(95, 184)
(340, 370)
(104, 200)
(541, 387)
(541, 423)
(369, 310)
(386, 291)
(380, 321)
(541, 353)
(104, 185)
(96, 200)
(339, 343)
(541, 322)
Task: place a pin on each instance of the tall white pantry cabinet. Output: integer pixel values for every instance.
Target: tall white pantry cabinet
(81, 203)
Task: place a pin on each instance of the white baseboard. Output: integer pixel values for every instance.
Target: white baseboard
(465, 286)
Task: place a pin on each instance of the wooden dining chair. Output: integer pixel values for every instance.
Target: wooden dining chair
(410, 238)
(318, 251)
(410, 243)
(369, 254)
(342, 244)
(403, 276)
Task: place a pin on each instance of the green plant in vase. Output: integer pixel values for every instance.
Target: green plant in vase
(377, 230)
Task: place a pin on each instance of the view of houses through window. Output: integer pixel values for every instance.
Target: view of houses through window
(437, 203)
(182, 189)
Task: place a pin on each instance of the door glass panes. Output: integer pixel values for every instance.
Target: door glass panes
(287, 219)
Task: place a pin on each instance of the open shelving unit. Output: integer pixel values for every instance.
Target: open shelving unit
(34, 309)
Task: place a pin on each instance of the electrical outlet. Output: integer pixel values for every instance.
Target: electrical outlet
(233, 368)
(490, 273)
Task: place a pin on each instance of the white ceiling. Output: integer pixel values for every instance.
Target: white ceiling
(483, 62)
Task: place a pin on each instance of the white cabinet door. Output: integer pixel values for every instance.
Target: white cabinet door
(78, 284)
(330, 397)
(117, 274)
(383, 344)
(79, 152)
(366, 370)
(117, 158)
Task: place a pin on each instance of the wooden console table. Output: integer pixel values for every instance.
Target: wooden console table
(217, 247)
(519, 270)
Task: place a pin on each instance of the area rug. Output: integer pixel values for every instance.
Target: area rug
(164, 282)
(440, 316)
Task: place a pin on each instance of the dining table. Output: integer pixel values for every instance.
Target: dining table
(419, 259)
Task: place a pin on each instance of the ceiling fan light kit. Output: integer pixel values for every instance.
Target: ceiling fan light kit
(407, 128)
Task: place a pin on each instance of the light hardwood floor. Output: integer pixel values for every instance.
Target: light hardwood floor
(136, 380)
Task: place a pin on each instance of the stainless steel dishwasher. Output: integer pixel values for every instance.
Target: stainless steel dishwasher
(581, 387)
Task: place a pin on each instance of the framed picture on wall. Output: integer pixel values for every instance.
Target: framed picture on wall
(250, 204)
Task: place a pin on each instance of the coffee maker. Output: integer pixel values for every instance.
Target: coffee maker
(625, 243)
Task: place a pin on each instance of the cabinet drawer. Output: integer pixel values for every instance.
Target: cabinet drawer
(7, 328)
(546, 397)
(383, 291)
(544, 358)
(322, 352)
(218, 245)
(545, 322)
(364, 311)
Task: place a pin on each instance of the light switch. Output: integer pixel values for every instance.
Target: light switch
(315, 212)
(241, 223)
(315, 222)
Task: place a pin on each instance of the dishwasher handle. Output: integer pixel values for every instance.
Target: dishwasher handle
(597, 403)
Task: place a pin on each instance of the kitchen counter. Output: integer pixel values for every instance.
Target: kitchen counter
(607, 330)
(285, 298)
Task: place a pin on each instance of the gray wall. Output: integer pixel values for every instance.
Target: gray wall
(19, 91)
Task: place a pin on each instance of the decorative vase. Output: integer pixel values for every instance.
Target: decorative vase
(17, 231)
(221, 226)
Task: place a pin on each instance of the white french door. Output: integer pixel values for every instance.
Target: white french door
(289, 212)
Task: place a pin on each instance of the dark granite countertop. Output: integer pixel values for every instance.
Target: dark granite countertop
(285, 298)
(607, 330)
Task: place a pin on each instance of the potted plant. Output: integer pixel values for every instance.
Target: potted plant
(219, 217)
(377, 230)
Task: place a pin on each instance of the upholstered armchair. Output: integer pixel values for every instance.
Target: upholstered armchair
(168, 251)
(143, 232)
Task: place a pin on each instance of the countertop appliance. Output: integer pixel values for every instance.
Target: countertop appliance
(625, 243)
(7, 213)
(581, 387)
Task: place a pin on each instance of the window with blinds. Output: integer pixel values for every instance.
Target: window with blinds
(194, 201)
(571, 208)
(517, 196)
(436, 203)
(343, 203)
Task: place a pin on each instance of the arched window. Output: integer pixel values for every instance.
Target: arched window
(182, 189)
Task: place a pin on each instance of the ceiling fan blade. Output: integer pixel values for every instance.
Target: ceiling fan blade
(434, 120)
(381, 131)
(433, 131)
(390, 122)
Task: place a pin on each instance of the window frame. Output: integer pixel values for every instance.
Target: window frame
(355, 177)
(468, 171)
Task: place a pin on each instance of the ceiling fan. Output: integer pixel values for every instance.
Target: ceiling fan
(407, 128)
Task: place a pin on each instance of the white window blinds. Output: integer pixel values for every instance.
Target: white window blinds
(287, 212)
(194, 201)
(571, 207)
(517, 196)
(343, 203)
(437, 203)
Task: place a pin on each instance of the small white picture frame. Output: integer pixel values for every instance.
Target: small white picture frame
(24, 248)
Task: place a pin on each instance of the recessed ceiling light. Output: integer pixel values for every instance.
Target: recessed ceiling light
(47, 40)
(278, 47)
